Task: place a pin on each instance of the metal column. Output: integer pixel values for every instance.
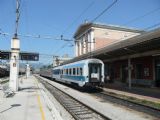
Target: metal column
(129, 73)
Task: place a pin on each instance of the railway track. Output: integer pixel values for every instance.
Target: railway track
(129, 104)
(78, 110)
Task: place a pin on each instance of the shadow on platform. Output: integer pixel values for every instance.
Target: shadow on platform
(12, 106)
(29, 89)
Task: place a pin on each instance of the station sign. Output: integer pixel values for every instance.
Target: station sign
(4, 55)
(29, 56)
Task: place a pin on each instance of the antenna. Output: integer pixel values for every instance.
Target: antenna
(17, 17)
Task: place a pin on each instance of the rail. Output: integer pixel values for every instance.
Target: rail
(77, 109)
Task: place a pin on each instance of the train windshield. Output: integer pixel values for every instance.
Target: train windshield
(94, 72)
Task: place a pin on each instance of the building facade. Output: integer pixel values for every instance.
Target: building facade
(130, 56)
(60, 60)
(93, 36)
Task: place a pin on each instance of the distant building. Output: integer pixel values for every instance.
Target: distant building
(93, 36)
(59, 60)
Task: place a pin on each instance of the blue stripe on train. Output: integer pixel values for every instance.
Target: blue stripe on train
(77, 78)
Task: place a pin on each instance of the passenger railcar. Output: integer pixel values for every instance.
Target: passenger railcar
(4, 72)
(46, 73)
(89, 72)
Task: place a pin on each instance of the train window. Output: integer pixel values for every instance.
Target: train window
(81, 71)
(62, 72)
(77, 71)
(70, 71)
(67, 71)
(74, 71)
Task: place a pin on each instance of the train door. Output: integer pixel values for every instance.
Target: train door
(95, 72)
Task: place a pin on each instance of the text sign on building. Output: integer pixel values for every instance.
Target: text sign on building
(29, 56)
(4, 55)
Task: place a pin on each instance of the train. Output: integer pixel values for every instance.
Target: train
(4, 72)
(88, 72)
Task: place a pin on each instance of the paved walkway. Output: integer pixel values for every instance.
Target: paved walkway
(149, 94)
(30, 103)
(142, 97)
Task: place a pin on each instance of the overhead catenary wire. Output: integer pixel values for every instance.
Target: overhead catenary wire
(49, 37)
(75, 20)
(63, 46)
(153, 26)
(142, 16)
(18, 3)
(105, 10)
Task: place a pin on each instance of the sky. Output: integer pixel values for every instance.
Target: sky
(54, 18)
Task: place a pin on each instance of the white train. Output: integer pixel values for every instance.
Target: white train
(89, 72)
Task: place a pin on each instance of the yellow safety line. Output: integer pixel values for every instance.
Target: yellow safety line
(40, 105)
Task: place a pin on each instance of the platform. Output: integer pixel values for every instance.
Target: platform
(29, 103)
(129, 94)
(110, 110)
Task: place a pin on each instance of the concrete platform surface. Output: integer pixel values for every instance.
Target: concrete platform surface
(29, 103)
(125, 93)
(110, 110)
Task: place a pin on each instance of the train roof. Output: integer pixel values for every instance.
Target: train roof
(86, 61)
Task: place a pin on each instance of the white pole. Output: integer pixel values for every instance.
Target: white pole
(27, 70)
(14, 64)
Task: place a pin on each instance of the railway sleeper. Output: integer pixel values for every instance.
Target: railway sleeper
(86, 118)
(84, 110)
(83, 113)
(76, 108)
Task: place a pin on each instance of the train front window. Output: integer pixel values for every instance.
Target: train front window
(94, 69)
(94, 72)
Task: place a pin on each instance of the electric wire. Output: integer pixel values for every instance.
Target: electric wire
(142, 16)
(75, 20)
(105, 10)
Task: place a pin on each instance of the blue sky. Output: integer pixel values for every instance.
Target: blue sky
(53, 17)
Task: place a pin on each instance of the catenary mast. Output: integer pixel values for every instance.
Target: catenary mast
(14, 58)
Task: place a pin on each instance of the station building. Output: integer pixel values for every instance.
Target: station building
(131, 56)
